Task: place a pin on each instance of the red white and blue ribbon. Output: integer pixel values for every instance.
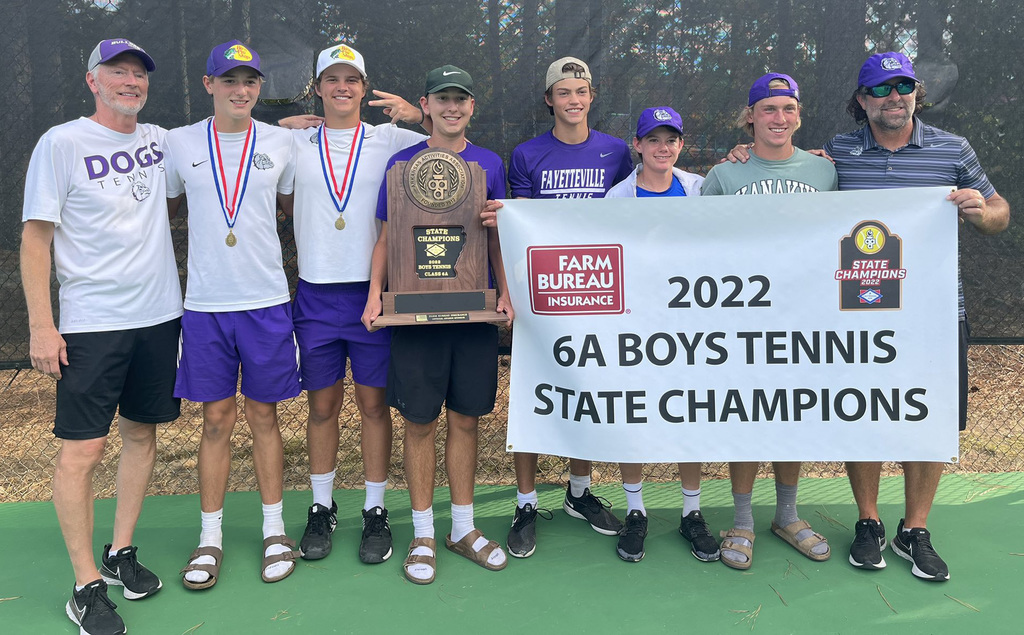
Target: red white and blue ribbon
(241, 176)
(340, 195)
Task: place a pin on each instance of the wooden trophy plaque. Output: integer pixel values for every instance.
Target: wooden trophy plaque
(437, 247)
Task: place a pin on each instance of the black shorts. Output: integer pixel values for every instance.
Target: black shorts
(132, 370)
(962, 374)
(451, 364)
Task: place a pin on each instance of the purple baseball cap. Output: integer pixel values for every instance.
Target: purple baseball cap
(652, 118)
(230, 55)
(759, 89)
(109, 49)
(881, 67)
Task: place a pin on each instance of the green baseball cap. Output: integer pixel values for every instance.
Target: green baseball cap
(449, 76)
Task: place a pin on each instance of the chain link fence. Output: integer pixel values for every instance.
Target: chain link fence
(698, 56)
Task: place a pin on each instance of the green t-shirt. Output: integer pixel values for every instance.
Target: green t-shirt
(802, 172)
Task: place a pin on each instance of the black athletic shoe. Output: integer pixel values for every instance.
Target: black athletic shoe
(375, 544)
(594, 510)
(522, 537)
(320, 524)
(124, 569)
(93, 611)
(703, 545)
(915, 545)
(631, 538)
(868, 543)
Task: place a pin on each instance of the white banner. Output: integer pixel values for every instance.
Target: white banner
(735, 328)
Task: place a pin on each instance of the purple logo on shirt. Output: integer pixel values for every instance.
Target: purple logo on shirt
(99, 166)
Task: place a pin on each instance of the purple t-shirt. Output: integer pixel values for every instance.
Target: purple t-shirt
(545, 167)
(490, 162)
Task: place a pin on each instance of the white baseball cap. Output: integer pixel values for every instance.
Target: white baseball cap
(340, 54)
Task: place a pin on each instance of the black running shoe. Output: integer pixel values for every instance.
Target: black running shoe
(915, 545)
(375, 544)
(868, 543)
(594, 510)
(703, 545)
(631, 538)
(93, 611)
(124, 569)
(522, 537)
(320, 524)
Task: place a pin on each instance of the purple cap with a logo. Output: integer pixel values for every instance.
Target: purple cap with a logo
(881, 67)
(230, 55)
(109, 49)
(760, 90)
(652, 118)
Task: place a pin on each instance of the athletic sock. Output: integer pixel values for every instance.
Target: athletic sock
(273, 525)
(209, 536)
(323, 488)
(577, 484)
(422, 527)
(634, 497)
(375, 494)
(691, 500)
(528, 498)
(462, 521)
(743, 518)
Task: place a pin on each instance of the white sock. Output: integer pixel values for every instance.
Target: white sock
(634, 497)
(210, 536)
(323, 488)
(530, 497)
(462, 521)
(691, 500)
(423, 523)
(422, 527)
(375, 494)
(273, 525)
(577, 484)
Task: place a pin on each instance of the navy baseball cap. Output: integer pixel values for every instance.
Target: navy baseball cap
(229, 55)
(881, 67)
(109, 49)
(652, 118)
(759, 90)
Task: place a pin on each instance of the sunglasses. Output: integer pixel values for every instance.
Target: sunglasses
(903, 88)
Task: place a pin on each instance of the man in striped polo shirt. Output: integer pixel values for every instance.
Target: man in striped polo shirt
(896, 149)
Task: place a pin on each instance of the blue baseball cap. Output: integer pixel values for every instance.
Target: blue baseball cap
(759, 89)
(652, 118)
(109, 49)
(230, 55)
(881, 67)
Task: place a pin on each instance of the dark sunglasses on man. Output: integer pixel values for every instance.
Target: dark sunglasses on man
(903, 88)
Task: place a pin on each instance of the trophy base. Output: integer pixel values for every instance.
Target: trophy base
(438, 307)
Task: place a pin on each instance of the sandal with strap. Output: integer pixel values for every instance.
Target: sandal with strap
(212, 570)
(732, 545)
(465, 549)
(279, 557)
(430, 561)
(789, 533)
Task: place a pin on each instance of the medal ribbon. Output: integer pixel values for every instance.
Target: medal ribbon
(220, 181)
(340, 196)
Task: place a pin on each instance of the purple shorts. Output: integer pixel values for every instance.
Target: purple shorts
(214, 344)
(328, 330)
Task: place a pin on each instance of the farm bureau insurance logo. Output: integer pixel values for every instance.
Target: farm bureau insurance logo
(575, 279)
(871, 269)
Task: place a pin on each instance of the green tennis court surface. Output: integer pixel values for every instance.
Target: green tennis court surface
(573, 583)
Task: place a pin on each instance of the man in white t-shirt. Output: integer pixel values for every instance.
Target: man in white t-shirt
(235, 171)
(95, 191)
(339, 168)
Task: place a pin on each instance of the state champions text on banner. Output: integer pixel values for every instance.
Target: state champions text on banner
(794, 327)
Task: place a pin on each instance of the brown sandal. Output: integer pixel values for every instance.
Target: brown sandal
(732, 545)
(464, 548)
(280, 557)
(430, 561)
(789, 532)
(212, 570)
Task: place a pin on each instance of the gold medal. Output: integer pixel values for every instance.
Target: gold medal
(340, 223)
(231, 241)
